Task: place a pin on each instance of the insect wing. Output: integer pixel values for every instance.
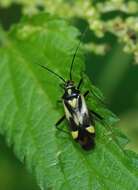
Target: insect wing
(79, 121)
(86, 130)
(71, 117)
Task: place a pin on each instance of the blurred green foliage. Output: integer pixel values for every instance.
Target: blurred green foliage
(114, 73)
(118, 17)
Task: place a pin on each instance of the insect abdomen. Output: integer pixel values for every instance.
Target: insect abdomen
(86, 139)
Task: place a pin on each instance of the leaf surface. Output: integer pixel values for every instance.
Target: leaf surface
(29, 110)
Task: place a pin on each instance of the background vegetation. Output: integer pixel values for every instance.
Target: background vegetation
(111, 63)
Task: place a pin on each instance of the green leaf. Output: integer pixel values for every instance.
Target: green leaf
(29, 110)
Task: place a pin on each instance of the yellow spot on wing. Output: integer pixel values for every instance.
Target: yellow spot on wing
(74, 134)
(90, 129)
(73, 102)
(69, 91)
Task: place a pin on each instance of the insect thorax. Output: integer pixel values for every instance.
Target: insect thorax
(70, 90)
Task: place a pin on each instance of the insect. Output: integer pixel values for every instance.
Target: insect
(81, 120)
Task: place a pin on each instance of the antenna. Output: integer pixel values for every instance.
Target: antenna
(44, 67)
(76, 52)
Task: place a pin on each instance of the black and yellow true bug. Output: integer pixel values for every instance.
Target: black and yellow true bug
(81, 120)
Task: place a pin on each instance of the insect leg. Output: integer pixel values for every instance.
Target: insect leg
(80, 82)
(96, 115)
(59, 122)
(86, 93)
(104, 103)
